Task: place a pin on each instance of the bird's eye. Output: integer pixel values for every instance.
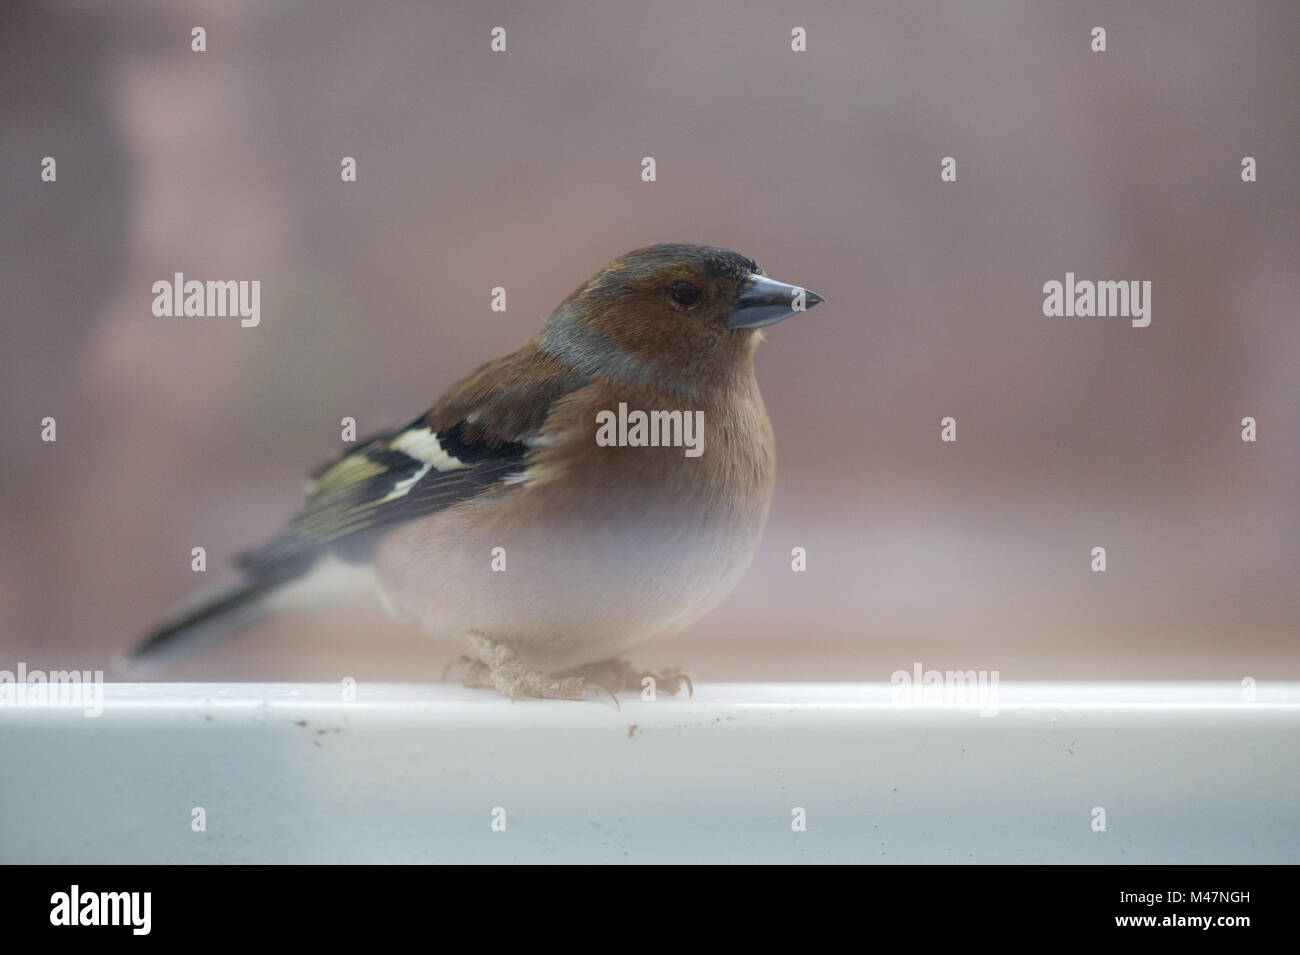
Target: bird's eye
(684, 293)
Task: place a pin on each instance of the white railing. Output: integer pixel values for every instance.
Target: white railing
(387, 773)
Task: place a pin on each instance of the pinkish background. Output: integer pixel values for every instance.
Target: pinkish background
(522, 170)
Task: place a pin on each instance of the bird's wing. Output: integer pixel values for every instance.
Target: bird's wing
(473, 439)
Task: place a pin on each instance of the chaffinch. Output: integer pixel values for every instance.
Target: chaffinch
(604, 483)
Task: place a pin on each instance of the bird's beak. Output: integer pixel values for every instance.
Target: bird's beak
(765, 302)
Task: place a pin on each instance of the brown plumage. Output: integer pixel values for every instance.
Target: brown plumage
(504, 518)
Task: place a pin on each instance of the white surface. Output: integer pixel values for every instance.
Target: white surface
(1185, 773)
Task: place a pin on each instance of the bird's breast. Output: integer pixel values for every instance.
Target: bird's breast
(623, 526)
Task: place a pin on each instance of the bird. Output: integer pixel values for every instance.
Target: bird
(604, 484)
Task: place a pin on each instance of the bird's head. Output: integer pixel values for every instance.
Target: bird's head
(686, 312)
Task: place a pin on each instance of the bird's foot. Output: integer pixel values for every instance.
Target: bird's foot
(498, 667)
(617, 675)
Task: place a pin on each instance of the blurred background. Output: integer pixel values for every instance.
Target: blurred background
(522, 170)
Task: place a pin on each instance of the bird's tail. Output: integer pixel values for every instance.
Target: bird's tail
(207, 620)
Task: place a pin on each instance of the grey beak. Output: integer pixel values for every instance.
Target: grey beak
(765, 302)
